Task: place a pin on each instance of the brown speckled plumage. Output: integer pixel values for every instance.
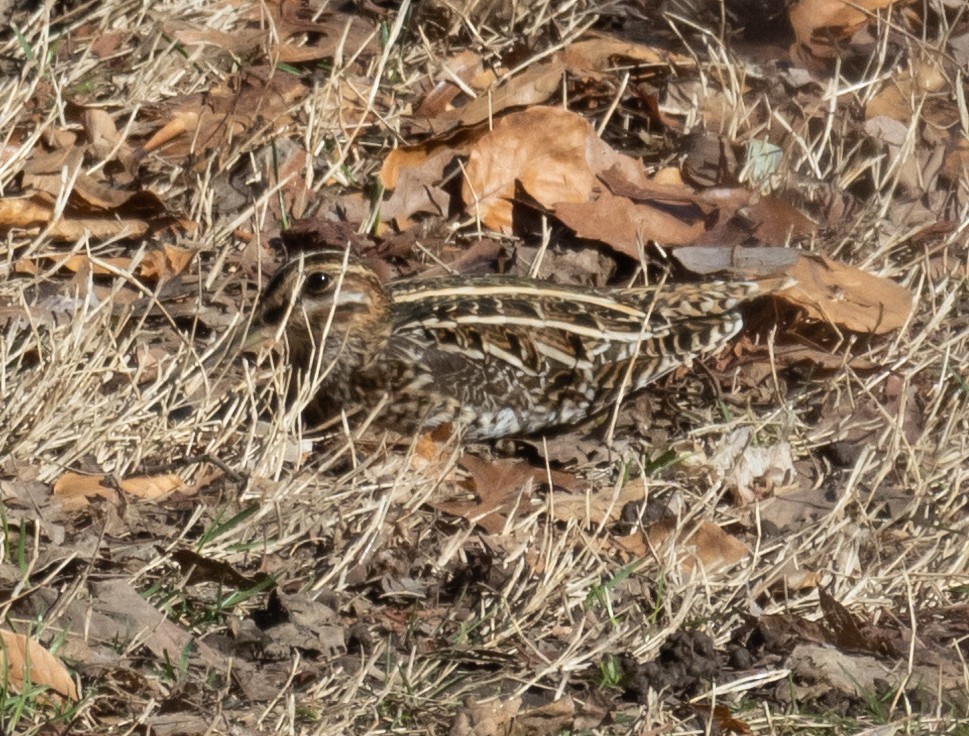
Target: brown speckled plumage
(494, 356)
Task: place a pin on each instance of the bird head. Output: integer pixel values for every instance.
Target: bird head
(325, 300)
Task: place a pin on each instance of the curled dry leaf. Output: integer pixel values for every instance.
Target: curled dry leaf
(82, 263)
(490, 718)
(532, 87)
(908, 94)
(598, 52)
(846, 296)
(819, 24)
(597, 505)
(327, 34)
(36, 213)
(238, 42)
(501, 488)
(822, 670)
(192, 124)
(24, 661)
(74, 490)
(154, 486)
(539, 82)
(418, 191)
(464, 66)
(103, 135)
(825, 289)
(165, 263)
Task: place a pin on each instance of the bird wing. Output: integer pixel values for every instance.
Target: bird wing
(556, 334)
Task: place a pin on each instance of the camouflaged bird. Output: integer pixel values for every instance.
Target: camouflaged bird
(493, 356)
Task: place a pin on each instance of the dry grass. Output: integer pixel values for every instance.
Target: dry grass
(430, 614)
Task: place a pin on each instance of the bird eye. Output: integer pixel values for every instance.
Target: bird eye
(316, 282)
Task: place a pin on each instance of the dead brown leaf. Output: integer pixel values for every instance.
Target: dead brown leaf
(417, 190)
(36, 213)
(599, 51)
(819, 24)
(553, 154)
(724, 719)
(74, 490)
(498, 488)
(94, 207)
(156, 486)
(102, 134)
(555, 717)
(163, 264)
(193, 124)
(754, 262)
(133, 616)
(846, 296)
(331, 34)
(706, 544)
(298, 33)
(106, 42)
(543, 148)
(24, 661)
(201, 569)
(532, 87)
(464, 66)
(625, 225)
(823, 670)
(50, 172)
(493, 718)
(82, 263)
(238, 42)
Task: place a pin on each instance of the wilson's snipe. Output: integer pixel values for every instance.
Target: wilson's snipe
(494, 356)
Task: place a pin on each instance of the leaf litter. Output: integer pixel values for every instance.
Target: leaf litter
(782, 526)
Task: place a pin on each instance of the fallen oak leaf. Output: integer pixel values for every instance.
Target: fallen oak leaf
(625, 225)
(555, 155)
(407, 158)
(463, 67)
(499, 488)
(846, 296)
(543, 149)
